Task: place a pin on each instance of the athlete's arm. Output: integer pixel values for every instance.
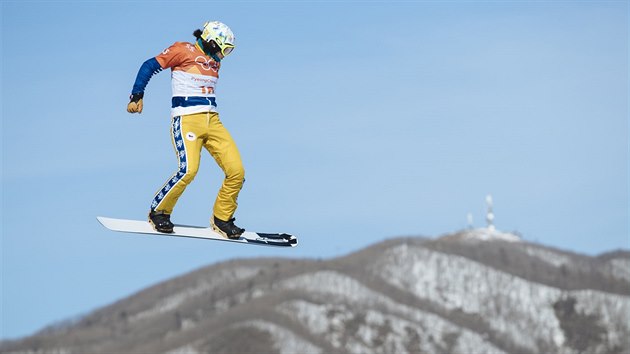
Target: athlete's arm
(147, 70)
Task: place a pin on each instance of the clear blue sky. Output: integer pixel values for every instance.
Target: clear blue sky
(356, 121)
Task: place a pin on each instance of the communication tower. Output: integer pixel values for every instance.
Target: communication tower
(489, 214)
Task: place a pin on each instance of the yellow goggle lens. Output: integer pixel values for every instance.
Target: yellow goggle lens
(227, 50)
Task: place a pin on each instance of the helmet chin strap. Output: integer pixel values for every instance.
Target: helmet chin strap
(213, 55)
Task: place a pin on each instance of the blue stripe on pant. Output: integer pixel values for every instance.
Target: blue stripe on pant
(180, 148)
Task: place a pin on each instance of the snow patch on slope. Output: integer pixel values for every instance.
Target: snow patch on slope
(286, 342)
(554, 258)
(520, 309)
(187, 349)
(485, 234)
(394, 329)
(372, 331)
(203, 286)
(620, 268)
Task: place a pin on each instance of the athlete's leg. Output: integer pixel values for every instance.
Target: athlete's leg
(222, 147)
(184, 133)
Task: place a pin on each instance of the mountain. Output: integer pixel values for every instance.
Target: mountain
(476, 291)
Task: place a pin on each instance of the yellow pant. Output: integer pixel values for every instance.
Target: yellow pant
(189, 133)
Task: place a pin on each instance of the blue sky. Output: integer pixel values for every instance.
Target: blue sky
(356, 121)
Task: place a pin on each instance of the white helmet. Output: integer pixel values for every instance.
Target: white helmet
(221, 34)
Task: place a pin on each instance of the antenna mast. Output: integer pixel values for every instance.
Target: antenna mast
(489, 214)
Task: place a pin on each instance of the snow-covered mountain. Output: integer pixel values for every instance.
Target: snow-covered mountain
(476, 291)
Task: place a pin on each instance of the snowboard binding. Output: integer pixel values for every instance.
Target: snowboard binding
(161, 222)
(227, 228)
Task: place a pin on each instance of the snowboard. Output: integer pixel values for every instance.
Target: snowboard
(144, 227)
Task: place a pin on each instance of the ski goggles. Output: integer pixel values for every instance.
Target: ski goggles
(227, 50)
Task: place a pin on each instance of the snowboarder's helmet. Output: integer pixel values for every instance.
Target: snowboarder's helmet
(221, 34)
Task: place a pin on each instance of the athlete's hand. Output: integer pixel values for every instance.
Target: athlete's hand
(135, 103)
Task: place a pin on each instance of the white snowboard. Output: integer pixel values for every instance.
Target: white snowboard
(143, 227)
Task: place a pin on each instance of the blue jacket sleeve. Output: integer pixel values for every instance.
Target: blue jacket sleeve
(148, 69)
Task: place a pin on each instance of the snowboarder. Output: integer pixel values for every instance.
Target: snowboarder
(195, 124)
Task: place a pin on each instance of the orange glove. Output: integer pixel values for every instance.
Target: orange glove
(135, 103)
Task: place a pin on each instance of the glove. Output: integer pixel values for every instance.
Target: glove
(135, 103)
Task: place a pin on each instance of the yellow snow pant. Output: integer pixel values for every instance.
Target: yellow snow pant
(189, 134)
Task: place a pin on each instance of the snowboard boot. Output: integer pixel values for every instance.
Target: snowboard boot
(161, 222)
(227, 228)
